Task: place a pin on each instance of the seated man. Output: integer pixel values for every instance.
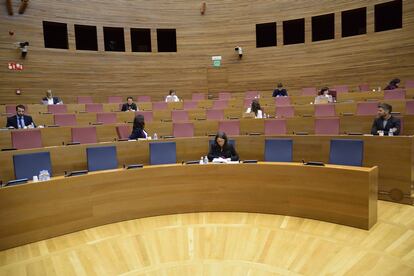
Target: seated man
(20, 120)
(385, 122)
(280, 91)
(49, 99)
(129, 105)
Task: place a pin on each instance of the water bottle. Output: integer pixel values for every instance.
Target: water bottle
(201, 160)
(42, 175)
(391, 132)
(47, 175)
(155, 136)
(205, 160)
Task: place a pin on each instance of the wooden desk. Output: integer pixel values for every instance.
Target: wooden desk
(393, 156)
(37, 211)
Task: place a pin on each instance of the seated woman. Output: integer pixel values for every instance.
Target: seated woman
(138, 128)
(256, 108)
(222, 148)
(280, 91)
(393, 84)
(172, 97)
(323, 96)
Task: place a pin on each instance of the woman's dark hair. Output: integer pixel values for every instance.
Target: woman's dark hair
(221, 135)
(139, 122)
(255, 106)
(172, 91)
(395, 81)
(323, 89)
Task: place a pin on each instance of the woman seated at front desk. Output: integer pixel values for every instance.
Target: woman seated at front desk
(138, 128)
(222, 148)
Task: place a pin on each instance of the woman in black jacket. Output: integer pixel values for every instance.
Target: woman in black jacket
(222, 148)
(138, 128)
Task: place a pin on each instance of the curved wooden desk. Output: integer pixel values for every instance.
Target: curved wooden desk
(37, 211)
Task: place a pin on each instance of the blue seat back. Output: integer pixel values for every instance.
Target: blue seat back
(346, 152)
(30, 164)
(162, 153)
(102, 158)
(278, 150)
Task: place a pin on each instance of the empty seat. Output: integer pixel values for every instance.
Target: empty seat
(162, 153)
(123, 131)
(275, 127)
(340, 88)
(148, 115)
(409, 84)
(324, 110)
(409, 107)
(190, 105)
(84, 100)
(278, 150)
(102, 158)
(64, 119)
(198, 96)
(282, 101)
(231, 127)
(57, 108)
(144, 99)
(327, 126)
(114, 99)
(363, 87)
(396, 94)
(26, 139)
(346, 152)
(183, 129)
(159, 106)
(179, 115)
(247, 102)
(285, 112)
(367, 108)
(215, 114)
(94, 107)
(84, 135)
(106, 118)
(251, 94)
(221, 104)
(224, 96)
(30, 164)
(309, 91)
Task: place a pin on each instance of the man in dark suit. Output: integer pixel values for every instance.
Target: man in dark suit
(129, 105)
(280, 91)
(49, 99)
(20, 120)
(385, 122)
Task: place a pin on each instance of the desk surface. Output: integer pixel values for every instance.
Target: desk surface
(36, 211)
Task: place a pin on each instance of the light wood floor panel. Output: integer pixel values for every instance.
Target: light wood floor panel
(225, 244)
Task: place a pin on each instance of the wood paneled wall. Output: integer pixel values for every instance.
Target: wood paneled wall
(373, 58)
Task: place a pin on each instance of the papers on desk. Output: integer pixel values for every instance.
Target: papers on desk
(224, 161)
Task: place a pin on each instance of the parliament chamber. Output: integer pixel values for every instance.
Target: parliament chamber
(313, 188)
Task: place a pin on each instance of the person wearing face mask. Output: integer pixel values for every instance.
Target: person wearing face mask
(222, 148)
(20, 120)
(385, 122)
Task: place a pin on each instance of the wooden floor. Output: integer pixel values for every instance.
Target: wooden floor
(225, 244)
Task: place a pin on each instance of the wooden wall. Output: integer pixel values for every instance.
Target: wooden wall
(373, 58)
